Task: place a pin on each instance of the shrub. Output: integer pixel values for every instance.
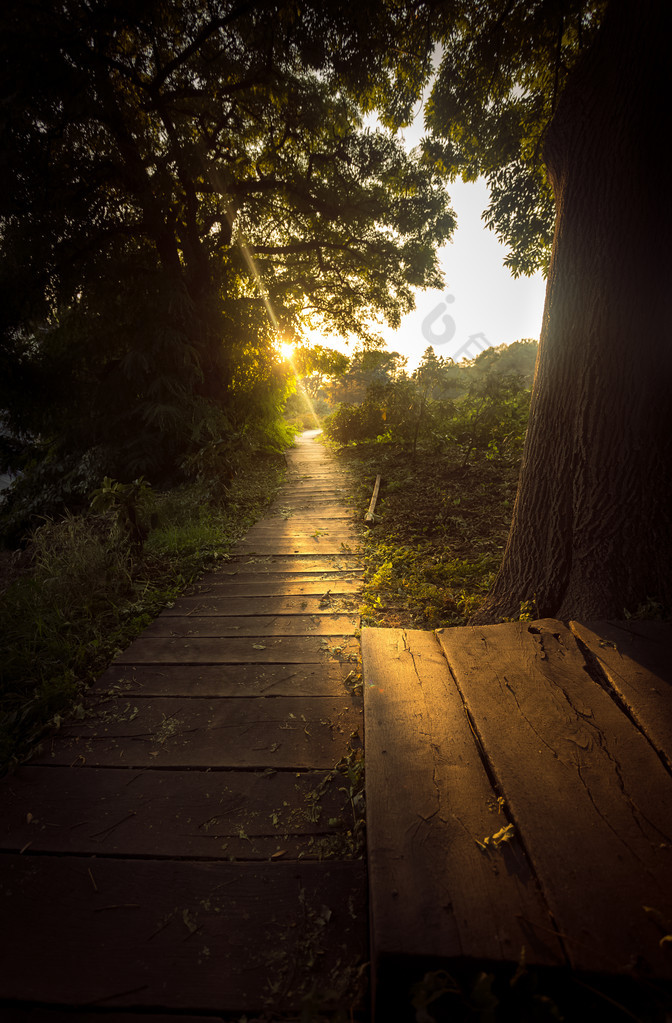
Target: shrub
(355, 423)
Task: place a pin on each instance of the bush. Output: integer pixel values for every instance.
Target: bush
(489, 420)
(355, 423)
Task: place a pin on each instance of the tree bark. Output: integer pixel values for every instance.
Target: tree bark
(591, 534)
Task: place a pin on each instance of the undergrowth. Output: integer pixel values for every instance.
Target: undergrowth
(89, 584)
(439, 534)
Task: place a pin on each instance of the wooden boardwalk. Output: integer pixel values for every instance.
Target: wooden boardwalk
(519, 797)
(186, 847)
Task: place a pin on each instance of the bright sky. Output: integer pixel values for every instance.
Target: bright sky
(487, 304)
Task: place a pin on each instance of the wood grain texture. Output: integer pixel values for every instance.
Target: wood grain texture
(282, 732)
(323, 603)
(434, 890)
(285, 584)
(246, 564)
(299, 545)
(288, 510)
(240, 815)
(201, 937)
(224, 626)
(302, 526)
(31, 1014)
(588, 795)
(262, 650)
(222, 680)
(636, 658)
(287, 506)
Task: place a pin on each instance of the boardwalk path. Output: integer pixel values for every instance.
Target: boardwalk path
(184, 848)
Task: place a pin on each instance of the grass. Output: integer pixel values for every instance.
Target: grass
(439, 535)
(84, 589)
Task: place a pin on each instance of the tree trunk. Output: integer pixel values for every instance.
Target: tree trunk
(591, 533)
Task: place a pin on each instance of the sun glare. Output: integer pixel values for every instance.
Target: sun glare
(286, 349)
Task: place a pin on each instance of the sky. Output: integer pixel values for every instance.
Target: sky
(481, 300)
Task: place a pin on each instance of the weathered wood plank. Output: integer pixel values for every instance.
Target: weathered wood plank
(196, 936)
(193, 814)
(269, 650)
(320, 506)
(287, 732)
(291, 511)
(224, 680)
(589, 796)
(303, 526)
(220, 626)
(283, 604)
(270, 584)
(636, 658)
(299, 546)
(316, 528)
(309, 485)
(314, 541)
(434, 891)
(39, 1014)
(314, 562)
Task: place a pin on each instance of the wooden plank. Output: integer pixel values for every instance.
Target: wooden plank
(434, 891)
(309, 485)
(193, 814)
(283, 604)
(224, 680)
(636, 658)
(589, 796)
(290, 511)
(304, 526)
(287, 732)
(370, 517)
(33, 1014)
(203, 937)
(319, 542)
(329, 506)
(322, 562)
(268, 650)
(221, 626)
(300, 546)
(251, 585)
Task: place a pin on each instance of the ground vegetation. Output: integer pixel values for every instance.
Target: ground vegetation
(84, 586)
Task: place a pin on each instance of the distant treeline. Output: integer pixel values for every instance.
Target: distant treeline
(468, 408)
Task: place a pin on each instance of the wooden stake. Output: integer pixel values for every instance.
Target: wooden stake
(370, 518)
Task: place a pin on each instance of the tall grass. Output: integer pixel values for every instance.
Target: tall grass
(90, 590)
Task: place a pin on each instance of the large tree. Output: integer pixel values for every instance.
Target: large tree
(181, 183)
(568, 99)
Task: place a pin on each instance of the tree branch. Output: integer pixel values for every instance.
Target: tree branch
(205, 33)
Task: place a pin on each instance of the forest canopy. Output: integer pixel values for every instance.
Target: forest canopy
(183, 185)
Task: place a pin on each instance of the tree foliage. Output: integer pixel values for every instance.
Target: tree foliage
(366, 368)
(502, 68)
(476, 409)
(180, 182)
(315, 365)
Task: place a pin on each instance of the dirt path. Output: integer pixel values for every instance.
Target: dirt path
(187, 847)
